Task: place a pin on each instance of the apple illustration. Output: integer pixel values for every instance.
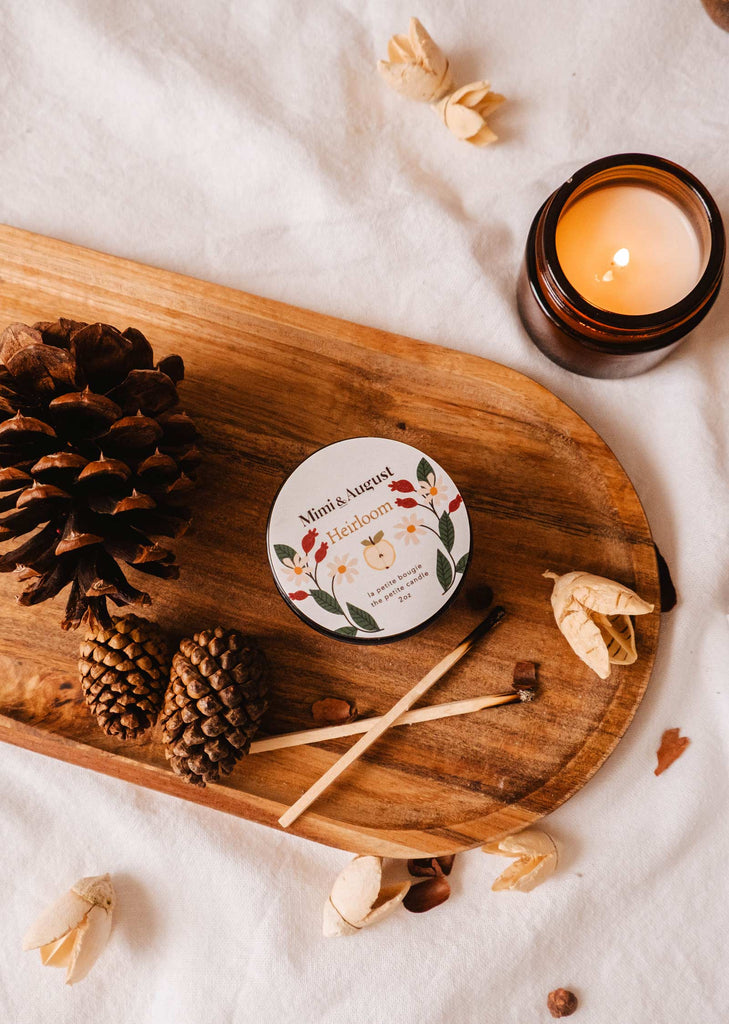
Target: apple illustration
(378, 553)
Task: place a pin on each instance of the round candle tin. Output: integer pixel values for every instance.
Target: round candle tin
(368, 540)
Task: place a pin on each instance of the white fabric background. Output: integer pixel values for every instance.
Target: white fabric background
(252, 144)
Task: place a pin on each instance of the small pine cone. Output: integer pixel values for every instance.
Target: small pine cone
(124, 674)
(214, 704)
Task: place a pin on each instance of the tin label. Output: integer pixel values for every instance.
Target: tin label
(368, 539)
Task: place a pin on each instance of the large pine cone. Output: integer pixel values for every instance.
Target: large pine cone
(213, 707)
(124, 675)
(95, 453)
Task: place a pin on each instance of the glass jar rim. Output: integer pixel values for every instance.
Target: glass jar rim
(708, 281)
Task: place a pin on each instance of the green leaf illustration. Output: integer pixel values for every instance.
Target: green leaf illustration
(363, 619)
(283, 551)
(447, 531)
(443, 571)
(378, 536)
(347, 631)
(327, 602)
(462, 563)
(424, 470)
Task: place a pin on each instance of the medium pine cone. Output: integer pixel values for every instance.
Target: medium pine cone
(214, 704)
(124, 674)
(95, 453)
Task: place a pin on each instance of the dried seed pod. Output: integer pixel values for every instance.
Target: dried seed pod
(536, 860)
(464, 112)
(417, 68)
(72, 932)
(358, 898)
(593, 614)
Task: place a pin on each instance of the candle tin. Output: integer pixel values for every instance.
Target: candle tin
(368, 540)
(595, 342)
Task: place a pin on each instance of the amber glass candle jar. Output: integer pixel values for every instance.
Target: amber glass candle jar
(621, 263)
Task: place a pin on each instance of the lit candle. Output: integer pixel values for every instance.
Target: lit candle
(629, 249)
(621, 262)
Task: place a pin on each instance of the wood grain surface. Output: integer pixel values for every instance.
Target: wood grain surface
(268, 384)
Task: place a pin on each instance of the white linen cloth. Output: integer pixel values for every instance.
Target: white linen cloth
(253, 144)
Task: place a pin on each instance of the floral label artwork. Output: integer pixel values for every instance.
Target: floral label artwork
(368, 539)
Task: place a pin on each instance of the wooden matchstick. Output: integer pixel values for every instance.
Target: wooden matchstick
(430, 714)
(385, 721)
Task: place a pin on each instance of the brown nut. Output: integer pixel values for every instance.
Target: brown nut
(561, 1002)
(427, 867)
(333, 711)
(427, 895)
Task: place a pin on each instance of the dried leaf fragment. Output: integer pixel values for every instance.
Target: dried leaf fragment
(333, 711)
(535, 860)
(593, 614)
(426, 895)
(671, 748)
(73, 931)
(427, 867)
(561, 1002)
(359, 899)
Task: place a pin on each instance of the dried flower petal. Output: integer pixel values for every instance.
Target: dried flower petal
(333, 711)
(428, 894)
(536, 860)
(671, 748)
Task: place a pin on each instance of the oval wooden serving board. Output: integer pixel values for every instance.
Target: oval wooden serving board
(268, 384)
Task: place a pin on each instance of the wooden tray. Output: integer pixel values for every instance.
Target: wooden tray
(268, 384)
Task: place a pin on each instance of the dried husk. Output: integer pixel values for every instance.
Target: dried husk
(358, 898)
(535, 859)
(593, 614)
(417, 68)
(73, 932)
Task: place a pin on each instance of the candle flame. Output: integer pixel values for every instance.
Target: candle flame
(621, 258)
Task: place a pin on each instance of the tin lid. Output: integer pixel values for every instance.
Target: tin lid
(368, 540)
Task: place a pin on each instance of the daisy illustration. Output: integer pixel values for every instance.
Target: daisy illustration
(433, 490)
(296, 569)
(343, 568)
(408, 529)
